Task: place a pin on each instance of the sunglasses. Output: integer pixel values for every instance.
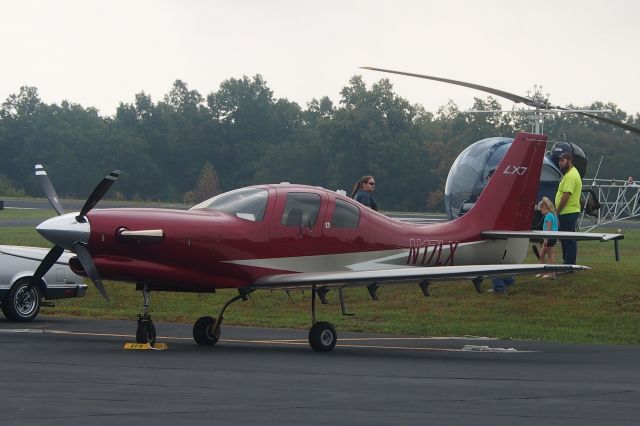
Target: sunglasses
(371, 183)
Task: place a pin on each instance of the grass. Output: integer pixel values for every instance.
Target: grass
(10, 213)
(597, 306)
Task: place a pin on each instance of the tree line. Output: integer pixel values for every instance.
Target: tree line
(188, 146)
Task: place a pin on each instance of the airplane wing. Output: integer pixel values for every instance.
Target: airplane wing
(34, 253)
(431, 274)
(553, 234)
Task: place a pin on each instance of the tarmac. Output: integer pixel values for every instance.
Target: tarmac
(57, 371)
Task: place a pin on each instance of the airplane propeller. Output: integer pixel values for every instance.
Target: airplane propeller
(79, 247)
(49, 260)
(47, 187)
(90, 268)
(534, 102)
(97, 194)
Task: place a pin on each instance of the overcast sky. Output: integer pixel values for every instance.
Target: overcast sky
(99, 53)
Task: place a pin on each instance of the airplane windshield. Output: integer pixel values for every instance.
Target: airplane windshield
(247, 203)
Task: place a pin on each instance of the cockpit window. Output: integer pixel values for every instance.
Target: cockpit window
(345, 215)
(302, 209)
(247, 203)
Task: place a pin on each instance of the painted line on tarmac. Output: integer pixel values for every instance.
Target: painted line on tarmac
(47, 331)
(465, 348)
(23, 208)
(304, 342)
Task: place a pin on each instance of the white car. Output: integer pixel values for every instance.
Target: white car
(17, 265)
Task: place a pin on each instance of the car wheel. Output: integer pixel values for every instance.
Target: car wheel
(22, 304)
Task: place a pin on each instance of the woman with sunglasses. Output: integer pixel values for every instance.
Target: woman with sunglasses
(362, 192)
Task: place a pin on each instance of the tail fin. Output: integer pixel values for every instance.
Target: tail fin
(508, 200)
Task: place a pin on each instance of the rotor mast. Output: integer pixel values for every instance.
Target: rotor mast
(541, 104)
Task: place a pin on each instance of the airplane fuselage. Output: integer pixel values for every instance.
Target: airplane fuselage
(202, 249)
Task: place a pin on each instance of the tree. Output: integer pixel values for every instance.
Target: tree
(247, 136)
(207, 185)
(180, 97)
(8, 190)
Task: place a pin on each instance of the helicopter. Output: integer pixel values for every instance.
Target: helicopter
(474, 166)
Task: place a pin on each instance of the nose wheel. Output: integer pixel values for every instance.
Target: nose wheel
(146, 331)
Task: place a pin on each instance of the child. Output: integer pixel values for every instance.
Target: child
(550, 223)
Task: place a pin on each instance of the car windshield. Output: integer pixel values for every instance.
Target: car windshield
(246, 203)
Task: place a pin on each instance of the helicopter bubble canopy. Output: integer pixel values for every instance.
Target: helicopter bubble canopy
(579, 157)
(471, 171)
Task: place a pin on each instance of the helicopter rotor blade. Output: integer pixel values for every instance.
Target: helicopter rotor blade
(609, 121)
(90, 268)
(97, 194)
(49, 190)
(511, 96)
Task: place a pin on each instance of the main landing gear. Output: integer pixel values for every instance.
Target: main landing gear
(322, 335)
(206, 330)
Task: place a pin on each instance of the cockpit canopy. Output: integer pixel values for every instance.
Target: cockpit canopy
(246, 203)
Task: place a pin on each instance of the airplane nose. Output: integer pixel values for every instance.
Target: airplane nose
(65, 230)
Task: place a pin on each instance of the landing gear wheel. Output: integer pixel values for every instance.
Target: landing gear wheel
(146, 332)
(205, 331)
(322, 337)
(22, 304)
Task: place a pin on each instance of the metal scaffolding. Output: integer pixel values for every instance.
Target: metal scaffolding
(618, 199)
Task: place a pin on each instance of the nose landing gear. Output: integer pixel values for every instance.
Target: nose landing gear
(146, 331)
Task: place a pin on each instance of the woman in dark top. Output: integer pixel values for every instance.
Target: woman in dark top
(362, 192)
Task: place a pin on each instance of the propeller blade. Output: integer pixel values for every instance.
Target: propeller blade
(97, 194)
(511, 96)
(47, 187)
(90, 268)
(46, 264)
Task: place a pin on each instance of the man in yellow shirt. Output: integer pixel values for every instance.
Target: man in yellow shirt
(568, 205)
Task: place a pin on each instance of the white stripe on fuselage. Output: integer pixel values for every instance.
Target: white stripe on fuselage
(484, 252)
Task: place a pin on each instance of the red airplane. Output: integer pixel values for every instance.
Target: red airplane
(285, 236)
